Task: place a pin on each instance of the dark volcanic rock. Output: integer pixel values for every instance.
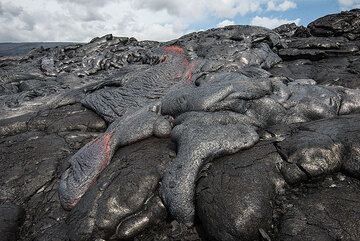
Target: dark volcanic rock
(236, 196)
(345, 24)
(292, 30)
(330, 56)
(125, 194)
(11, 219)
(11, 49)
(31, 156)
(235, 133)
(330, 71)
(311, 54)
(318, 148)
(327, 211)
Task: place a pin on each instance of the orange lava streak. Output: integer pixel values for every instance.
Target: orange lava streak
(177, 50)
(104, 144)
(174, 49)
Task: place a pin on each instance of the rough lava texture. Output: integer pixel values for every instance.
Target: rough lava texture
(235, 133)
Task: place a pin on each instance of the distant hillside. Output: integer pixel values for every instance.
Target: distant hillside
(11, 49)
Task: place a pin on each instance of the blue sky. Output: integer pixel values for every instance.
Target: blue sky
(81, 20)
(305, 10)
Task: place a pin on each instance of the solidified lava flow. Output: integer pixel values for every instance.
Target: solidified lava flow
(234, 133)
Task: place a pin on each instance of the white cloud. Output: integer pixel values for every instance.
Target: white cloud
(81, 20)
(349, 4)
(224, 23)
(55, 20)
(272, 22)
(231, 8)
(193, 9)
(284, 6)
(201, 8)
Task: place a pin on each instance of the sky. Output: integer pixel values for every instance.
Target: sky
(161, 20)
